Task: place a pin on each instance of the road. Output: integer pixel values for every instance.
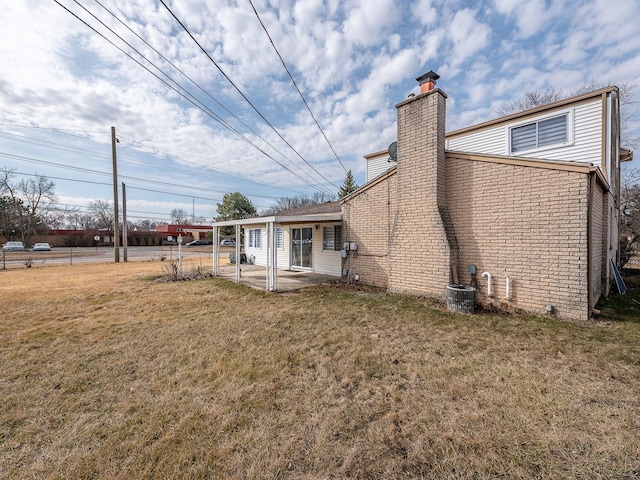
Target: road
(76, 255)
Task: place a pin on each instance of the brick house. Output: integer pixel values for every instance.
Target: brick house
(531, 199)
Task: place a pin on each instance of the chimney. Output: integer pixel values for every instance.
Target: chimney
(427, 81)
(420, 248)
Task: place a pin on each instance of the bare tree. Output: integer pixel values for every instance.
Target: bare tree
(102, 213)
(82, 221)
(630, 203)
(60, 217)
(288, 203)
(31, 200)
(145, 225)
(628, 106)
(180, 216)
(530, 99)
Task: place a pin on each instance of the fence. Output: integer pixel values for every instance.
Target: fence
(82, 255)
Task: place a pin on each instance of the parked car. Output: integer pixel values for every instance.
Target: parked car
(197, 243)
(13, 247)
(227, 242)
(41, 247)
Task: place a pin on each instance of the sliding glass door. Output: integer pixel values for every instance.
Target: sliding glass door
(301, 247)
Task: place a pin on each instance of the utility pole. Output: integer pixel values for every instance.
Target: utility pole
(116, 216)
(125, 230)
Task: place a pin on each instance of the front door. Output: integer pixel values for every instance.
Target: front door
(301, 247)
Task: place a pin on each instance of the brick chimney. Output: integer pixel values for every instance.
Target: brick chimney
(422, 239)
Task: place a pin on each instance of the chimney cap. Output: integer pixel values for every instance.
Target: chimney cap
(430, 76)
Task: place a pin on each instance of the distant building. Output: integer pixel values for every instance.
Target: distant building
(198, 232)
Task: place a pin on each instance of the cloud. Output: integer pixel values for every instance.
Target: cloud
(467, 35)
(611, 28)
(425, 12)
(352, 59)
(368, 22)
(530, 16)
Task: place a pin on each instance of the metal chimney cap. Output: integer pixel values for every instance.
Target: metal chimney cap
(430, 76)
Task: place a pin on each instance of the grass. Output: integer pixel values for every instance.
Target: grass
(107, 373)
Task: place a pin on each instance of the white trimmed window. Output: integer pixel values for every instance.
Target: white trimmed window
(543, 133)
(279, 238)
(255, 238)
(331, 237)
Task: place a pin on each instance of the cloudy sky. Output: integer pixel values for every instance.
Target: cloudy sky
(207, 107)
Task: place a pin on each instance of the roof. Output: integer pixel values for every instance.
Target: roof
(321, 212)
(316, 208)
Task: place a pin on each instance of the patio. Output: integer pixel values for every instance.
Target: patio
(255, 276)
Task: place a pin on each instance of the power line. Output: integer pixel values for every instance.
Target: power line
(296, 86)
(126, 159)
(242, 94)
(108, 174)
(193, 82)
(193, 101)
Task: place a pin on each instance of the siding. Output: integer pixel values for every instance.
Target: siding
(328, 263)
(367, 221)
(598, 243)
(586, 146)
(528, 223)
(613, 222)
(260, 254)
(283, 255)
(377, 166)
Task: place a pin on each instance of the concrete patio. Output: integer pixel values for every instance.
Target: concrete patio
(255, 276)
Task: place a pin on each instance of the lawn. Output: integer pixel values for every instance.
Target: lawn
(108, 373)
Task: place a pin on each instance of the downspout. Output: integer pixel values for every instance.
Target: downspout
(590, 200)
(508, 287)
(489, 290)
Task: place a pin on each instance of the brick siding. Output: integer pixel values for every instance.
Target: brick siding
(437, 211)
(526, 222)
(367, 221)
(419, 251)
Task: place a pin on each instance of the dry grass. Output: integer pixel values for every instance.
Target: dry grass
(106, 373)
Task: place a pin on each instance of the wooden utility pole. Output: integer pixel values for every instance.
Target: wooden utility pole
(116, 216)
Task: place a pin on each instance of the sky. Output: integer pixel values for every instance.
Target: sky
(202, 103)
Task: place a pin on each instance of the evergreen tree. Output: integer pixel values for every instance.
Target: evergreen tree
(235, 206)
(348, 186)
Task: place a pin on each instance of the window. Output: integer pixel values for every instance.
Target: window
(550, 131)
(279, 238)
(331, 237)
(255, 238)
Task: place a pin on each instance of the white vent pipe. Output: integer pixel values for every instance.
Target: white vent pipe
(508, 293)
(489, 277)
